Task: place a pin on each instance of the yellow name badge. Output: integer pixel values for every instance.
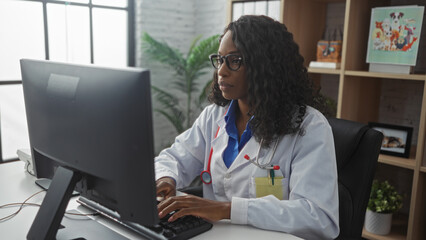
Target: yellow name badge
(265, 188)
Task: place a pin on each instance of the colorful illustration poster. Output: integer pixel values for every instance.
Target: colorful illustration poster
(395, 35)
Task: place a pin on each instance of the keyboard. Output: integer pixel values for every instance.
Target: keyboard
(180, 229)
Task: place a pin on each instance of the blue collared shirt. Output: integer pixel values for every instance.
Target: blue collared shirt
(234, 146)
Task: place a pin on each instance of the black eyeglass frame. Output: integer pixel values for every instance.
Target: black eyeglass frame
(214, 57)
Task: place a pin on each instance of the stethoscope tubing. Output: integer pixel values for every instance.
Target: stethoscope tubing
(268, 165)
(206, 176)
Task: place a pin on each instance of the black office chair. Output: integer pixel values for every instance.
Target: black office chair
(357, 150)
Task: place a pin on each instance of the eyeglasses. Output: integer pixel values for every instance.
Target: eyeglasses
(233, 61)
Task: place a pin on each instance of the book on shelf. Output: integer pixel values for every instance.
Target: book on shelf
(328, 65)
(394, 38)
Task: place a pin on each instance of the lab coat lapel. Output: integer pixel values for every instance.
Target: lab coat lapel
(219, 145)
(251, 148)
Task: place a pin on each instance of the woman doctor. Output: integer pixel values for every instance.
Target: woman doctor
(267, 158)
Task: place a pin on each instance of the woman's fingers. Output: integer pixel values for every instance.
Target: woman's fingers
(166, 187)
(192, 205)
(174, 203)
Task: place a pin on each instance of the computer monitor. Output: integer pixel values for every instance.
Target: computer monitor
(93, 125)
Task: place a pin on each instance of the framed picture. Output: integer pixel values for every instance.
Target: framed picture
(396, 140)
(395, 35)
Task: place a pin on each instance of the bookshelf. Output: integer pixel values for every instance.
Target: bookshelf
(358, 95)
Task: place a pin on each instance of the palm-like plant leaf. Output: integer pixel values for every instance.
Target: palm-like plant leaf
(163, 53)
(187, 71)
(199, 56)
(166, 99)
(193, 44)
(175, 120)
(204, 93)
(169, 108)
(197, 59)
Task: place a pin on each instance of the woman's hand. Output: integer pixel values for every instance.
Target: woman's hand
(196, 206)
(166, 187)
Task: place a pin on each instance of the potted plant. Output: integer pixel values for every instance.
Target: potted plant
(188, 70)
(384, 201)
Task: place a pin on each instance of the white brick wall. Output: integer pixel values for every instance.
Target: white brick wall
(400, 103)
(210, 16)
(176, 22)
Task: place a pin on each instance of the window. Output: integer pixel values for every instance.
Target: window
(78, 31)
(269, 8)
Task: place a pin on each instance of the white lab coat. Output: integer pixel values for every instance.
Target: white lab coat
(309, 208)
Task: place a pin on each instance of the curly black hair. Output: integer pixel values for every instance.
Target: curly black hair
(279, 88)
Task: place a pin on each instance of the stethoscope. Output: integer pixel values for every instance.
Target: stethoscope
(206, 176)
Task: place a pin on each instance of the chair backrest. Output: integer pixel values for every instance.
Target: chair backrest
(357, 150)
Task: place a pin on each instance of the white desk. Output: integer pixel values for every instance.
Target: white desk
(16, 185)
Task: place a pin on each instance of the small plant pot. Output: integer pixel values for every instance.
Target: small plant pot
(378, 223)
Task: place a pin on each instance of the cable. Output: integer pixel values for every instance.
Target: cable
(27, 168)
(21, 205)
(20, 208)
(14, 205)
(16, 213)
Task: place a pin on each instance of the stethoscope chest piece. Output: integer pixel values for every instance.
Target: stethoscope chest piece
(206, 177)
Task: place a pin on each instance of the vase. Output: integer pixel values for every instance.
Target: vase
(378, 223)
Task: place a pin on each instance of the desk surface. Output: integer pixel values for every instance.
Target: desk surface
(16, 185)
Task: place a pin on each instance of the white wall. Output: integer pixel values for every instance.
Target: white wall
(177, 23)
(210, 16)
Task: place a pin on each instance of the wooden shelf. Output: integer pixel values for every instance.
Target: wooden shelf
(418, 77)
(423, 169)
(408, 163)
(398, 230)
(392, 235)
(324, 71)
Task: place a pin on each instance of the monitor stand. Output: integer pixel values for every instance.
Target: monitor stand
(49, 216)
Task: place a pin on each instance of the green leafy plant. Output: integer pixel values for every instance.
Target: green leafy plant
(187, 72)
(384, 198)
(325, 105)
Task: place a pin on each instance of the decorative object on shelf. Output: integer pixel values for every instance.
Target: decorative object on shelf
(394, 38)
(397, 139)
(329, 49)
(329, 65)
(384, 201)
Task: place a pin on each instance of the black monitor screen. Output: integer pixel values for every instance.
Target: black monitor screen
(95, 124)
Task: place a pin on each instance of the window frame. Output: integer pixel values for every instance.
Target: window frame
(131, 48)
(231, 5)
